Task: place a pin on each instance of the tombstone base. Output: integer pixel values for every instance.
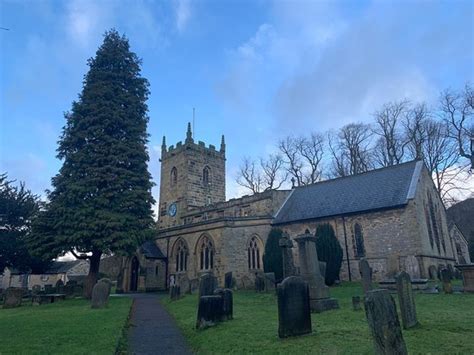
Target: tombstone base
(323, 304)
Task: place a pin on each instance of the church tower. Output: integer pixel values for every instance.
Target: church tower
(192, 175)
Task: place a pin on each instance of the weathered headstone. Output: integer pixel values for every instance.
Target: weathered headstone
(13, 297)
(60, 286)
(406, 300)
(446, 279)
(175, 292)
(433, 272)
(184, 284)
(108, 282)
(320, 300)
(69, 290)
(193, 285)
(100, 295)
(366, 275)
(467, 276)
(322, 269)
(294, 312)
(259, 283)
(270, 282)
(207, 285)
(209, 311)
(246, 283)
(35, 289)
(393, 266)
(356, 303)
(228, 280)
(287, 255)
(381, 313)
(49, 289)
(227, 302)
(412, 267)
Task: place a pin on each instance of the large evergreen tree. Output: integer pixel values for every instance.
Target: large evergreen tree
(330, 251)
(101, 198)
(272, 257)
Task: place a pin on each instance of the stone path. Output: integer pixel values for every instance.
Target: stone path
(152, 330)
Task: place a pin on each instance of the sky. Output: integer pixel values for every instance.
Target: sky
(255, 71)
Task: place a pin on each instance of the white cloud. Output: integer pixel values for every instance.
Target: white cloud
(183, 14)
(83, 19)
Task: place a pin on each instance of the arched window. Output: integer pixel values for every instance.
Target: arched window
(359, 249)
(206, 254)
(206, 176)
(253, 254)
(174, 176)
(181, 255)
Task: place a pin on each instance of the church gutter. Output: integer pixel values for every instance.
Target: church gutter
(347, 248)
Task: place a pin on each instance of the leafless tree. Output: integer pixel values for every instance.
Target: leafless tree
(273, 173)
(390, 146)
(350, 149)
(311, 150)
(249, 175)
(415, 130)
(457, 110)
(290, 152)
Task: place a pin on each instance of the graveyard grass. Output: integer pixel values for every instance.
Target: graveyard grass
(67, 327)
(446, 326)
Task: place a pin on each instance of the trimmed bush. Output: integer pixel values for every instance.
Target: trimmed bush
(330, 251)
(272, 258)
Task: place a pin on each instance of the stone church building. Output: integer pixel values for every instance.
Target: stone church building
(384, 215)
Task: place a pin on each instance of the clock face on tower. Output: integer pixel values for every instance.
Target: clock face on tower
(172, 210)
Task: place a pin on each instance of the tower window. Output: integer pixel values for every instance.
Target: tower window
(253, 253)
(206, 176)
(206, 252)
(174, 176)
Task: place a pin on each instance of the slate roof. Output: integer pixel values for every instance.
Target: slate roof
(384, 188)
(151, 251)
(61, 267)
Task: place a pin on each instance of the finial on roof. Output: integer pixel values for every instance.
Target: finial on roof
(189, 134)
(163, 145)
(222, 144)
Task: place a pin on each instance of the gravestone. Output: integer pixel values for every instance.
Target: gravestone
(286, 245)
(184, 284)
(294, 312)
(446, 279)
(467, 276)
(49, 289)
(322, 269)
(108, 282)
(269, 282)
(310, 272)
(412, 267)
(246, 282)
(356, 303)
(207, 285)
(433, 272)
(60, 286)
(69, 290)
(209, 311)
(393, 266)
(227, 302)
(381, 313)
(175, 292)
(193, 285)
(406, 300)
(228, 280)
(259, 283)
(366, 275)
(13, 297)
(100, 295)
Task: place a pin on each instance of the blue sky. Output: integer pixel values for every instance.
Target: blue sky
(254, 70)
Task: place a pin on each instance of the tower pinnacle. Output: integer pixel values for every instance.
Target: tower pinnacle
(189, 134)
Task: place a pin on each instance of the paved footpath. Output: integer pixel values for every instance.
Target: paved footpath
(152, 329)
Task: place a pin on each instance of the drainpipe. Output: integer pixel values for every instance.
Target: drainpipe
(347, 248)
(167, 261)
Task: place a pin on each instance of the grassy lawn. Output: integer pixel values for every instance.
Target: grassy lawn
(68, 327)
(447, 326)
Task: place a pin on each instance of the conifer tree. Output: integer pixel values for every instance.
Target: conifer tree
(101, 198)
(330, 251)
(272, 257)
